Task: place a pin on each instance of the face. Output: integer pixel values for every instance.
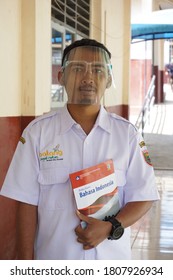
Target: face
(86, 75)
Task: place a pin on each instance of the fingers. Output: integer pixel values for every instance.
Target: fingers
(86, 246)
(83, 217)
(88, 233)
(84, 236)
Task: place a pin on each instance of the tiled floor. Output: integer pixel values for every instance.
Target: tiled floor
(152, 236)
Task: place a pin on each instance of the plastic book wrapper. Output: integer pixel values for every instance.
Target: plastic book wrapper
(96, 191)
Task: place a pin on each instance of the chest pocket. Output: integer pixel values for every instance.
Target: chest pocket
(55, 189)
(53, 176)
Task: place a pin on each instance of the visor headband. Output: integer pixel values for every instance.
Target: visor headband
(84, 43)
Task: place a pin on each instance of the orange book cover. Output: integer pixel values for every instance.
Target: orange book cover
(96, 191)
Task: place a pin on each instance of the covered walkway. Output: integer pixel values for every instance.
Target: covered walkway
(152, 236)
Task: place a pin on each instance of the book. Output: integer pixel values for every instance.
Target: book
(95, 190)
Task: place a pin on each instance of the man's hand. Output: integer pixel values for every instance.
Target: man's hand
(94, 232)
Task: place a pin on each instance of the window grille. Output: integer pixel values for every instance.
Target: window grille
(74, 14)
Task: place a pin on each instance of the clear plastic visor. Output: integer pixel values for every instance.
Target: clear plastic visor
(83, 67)
(86, 74)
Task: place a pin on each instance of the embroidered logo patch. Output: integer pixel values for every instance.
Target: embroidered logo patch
(52, 155)
(142, 144)
(147, 157)
(145, 152)
(22, 140)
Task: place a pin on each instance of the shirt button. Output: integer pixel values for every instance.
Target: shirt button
(78, 126)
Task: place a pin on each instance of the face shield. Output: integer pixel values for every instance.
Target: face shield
(86, 74)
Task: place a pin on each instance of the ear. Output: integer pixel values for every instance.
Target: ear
(109, 82)
(61, 77)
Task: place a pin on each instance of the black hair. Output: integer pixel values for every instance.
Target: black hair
(84, 42)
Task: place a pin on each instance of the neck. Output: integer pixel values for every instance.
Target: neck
(84, 115)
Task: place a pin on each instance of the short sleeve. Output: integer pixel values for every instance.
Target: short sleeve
(21, 182)
(140, 177)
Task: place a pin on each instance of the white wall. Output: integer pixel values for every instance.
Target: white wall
(140, 7)
(10, 58)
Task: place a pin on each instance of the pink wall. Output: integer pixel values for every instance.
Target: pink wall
(141, 73)
(10, 131)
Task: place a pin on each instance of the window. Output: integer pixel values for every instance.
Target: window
(74, 14)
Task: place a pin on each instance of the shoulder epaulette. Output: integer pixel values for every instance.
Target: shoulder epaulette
(42, 117)
(119, 118)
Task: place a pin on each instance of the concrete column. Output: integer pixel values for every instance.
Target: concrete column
(161, 70)
(112, 27)
(36, 56)
(96, 19)
(158, 69)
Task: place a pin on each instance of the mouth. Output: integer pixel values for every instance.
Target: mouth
(87, 90)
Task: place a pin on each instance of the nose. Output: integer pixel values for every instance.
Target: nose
(88, 76)
(87, 80)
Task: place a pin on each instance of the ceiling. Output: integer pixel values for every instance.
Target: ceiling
(156, 25)
(167, 4)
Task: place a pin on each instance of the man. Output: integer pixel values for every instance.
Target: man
(80, 135)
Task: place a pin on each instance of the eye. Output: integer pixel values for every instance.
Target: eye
(78, 68)
(98, 70)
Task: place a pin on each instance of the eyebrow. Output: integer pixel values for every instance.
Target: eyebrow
(80, 62)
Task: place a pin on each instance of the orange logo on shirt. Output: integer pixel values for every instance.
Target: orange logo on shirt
(54, 154)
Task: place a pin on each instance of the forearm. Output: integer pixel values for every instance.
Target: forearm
(26, 229)
(98, 230)
(132, 212)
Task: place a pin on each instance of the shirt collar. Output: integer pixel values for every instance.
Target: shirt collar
(66, 120)
(102, 121)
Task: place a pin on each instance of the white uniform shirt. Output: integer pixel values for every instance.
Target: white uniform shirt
(54, 146)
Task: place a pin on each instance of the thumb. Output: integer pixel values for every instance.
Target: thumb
(83, 217)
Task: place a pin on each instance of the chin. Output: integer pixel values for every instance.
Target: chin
(87, 102)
